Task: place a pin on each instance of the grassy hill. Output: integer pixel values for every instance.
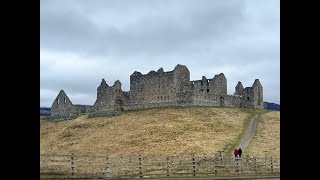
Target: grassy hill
(159, 131)
(266, 140)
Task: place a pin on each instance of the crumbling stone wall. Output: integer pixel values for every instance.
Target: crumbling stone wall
(109, 100)
(257, 94)
(239, 89)
(62, 107)
(172, 88)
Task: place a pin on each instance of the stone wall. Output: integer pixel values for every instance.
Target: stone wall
(172, 88)
(62, 107)
(109, 99)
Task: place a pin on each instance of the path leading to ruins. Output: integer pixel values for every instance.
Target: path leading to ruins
(251, 127)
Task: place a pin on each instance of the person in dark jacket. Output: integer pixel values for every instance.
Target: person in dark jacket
(239, 152)
(235, 152)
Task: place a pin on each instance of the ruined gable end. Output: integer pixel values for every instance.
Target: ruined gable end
(62, 107)
(257, 94)
(239, 91)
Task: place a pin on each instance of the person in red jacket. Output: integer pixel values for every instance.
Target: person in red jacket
(235, 152)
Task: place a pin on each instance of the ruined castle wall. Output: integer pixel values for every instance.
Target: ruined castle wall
(182, 91)
(125, 98)
(218, 85)
(62, 107)
(160, 88)
(239, 89)
(232, 101)
(257, 93)
(154, 87)
(109, 100)
(247, 98)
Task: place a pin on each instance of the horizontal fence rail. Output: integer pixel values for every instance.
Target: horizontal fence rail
(109, 166)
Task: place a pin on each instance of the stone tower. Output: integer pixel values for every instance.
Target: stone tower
(257, 94)
(181, 83)
(63, 107)
(109, 99)
(239, 89)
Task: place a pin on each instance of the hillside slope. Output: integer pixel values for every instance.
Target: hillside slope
(266, 140)
(160, 131)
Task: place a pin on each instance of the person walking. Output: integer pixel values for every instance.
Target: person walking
(235, 152)
(239, 152)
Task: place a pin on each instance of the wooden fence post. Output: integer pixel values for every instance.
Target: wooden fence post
(107, 167)
(271, 165)
(193, 165)
(236, 167)
(168, 166)
(255, 164)
(140, 166)
(72, 164)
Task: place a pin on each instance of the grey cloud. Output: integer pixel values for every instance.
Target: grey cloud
(156, 34)
(112, 39)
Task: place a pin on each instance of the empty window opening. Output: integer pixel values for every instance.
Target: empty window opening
(207, 90)
(207, 82)
(57, 101)
(201, 83)
(201, 90)
(248, 98)
(161, 97)
(65, 100)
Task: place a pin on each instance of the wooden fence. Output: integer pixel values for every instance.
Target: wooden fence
(81, 166)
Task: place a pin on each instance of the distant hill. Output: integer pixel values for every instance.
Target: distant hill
(45, 111)
(271, 106)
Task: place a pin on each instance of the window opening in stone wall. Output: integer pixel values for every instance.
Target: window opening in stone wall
(57, 101)
(207, 90)
(65, 100)
(201, 90)
(207, 82)
(201, 83)
(248, 98)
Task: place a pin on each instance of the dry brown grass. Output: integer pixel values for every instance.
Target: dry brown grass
(161, 131)
(266, 140)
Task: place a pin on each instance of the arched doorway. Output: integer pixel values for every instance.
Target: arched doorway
(221, 101)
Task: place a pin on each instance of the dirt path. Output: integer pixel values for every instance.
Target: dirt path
(248, 134)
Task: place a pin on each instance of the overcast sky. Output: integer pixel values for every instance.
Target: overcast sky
(83, 41)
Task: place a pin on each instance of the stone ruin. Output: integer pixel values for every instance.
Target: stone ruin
(159, 88)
